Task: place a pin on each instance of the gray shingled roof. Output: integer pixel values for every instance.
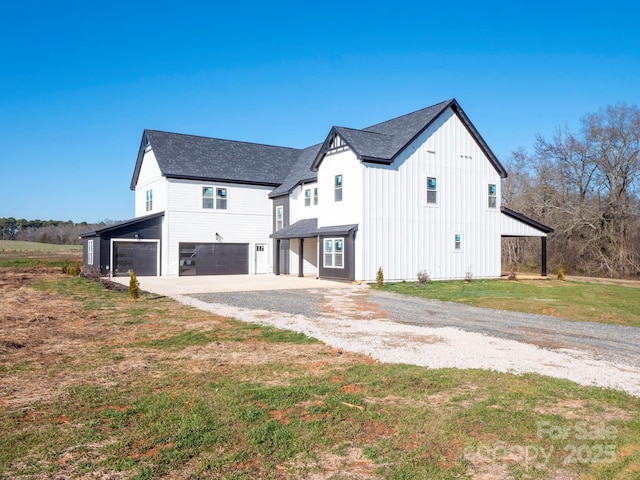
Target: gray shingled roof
(384, 141)
(308, 227)
(202, 158)
(193, 157)
(300, 172)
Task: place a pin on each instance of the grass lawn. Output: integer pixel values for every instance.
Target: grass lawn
(31, 254)
(567, 299)
(97, 385)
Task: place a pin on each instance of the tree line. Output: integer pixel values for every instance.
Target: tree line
(46, 231)
(586, 185)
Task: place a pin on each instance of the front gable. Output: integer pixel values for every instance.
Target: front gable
(385, 142)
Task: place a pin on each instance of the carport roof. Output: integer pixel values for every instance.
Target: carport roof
(308, 227)
(116, 226)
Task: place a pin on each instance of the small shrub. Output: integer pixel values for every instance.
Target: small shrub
(423, 277)
(134, 285)
(468, 276)
(512, 275)
(73, 270)
(561, 274)
(379, 278)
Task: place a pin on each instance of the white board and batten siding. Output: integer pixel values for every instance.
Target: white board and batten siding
(404, 234)
(150, 178)
(297, 208)
(511, 227)
(349, 210)
(247, 219)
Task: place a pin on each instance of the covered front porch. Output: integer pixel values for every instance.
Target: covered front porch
(326, 252)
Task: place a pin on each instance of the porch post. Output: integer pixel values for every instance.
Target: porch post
(301, 258)
(544, 256)
(277, 269)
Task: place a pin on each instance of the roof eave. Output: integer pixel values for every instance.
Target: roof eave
(324, 149)
(526, 220)
(219, 180)
(100, 231)
(136, 169)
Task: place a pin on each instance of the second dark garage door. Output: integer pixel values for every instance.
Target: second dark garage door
(214, 258)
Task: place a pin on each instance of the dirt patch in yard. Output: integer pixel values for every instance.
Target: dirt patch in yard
(50, 343)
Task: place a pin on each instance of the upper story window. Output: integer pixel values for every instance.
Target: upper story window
(315, 196)
(338, 188)
(457, 244)
(149, 201)
(432, 190)
(207, 197)
(307, 197)
(333, 252)
(279, 217)
(493, 201)
(220, 198)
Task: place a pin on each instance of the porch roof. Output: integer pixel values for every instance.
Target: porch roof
(308, 227)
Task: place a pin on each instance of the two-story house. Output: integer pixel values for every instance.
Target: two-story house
(420, 192)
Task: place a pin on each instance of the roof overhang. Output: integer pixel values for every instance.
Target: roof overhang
(126, 223)
(308, 228)
(531, 225)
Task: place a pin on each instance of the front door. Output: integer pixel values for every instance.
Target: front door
(262, 261)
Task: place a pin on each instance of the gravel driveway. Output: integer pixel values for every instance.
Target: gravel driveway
(398, 328)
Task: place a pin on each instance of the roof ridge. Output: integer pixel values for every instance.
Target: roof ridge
(223, 139)
(362, 131)
(445, 102)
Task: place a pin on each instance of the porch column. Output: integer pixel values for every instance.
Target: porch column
(277, 266)
(301, 258)
(544, 256)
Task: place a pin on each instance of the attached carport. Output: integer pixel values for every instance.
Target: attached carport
(131, 245)
(515, 224)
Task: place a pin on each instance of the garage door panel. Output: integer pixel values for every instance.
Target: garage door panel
(141, 257)
(214, 258)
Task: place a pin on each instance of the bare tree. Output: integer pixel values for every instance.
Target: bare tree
(587, 186)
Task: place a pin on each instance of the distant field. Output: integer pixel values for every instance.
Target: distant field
(17, 246)
(33, 254)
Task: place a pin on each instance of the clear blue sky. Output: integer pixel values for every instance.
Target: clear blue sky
(79, 81)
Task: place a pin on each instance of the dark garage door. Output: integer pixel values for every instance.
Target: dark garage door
(214, 258)
(141, 257)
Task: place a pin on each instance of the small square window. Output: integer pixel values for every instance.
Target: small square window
(432, 190)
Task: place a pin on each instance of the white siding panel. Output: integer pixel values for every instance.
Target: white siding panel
(247, 219)
(350, 210)
(297, 209)
(149, 170)
(404, 235)
(515, 228)
(150, 178)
